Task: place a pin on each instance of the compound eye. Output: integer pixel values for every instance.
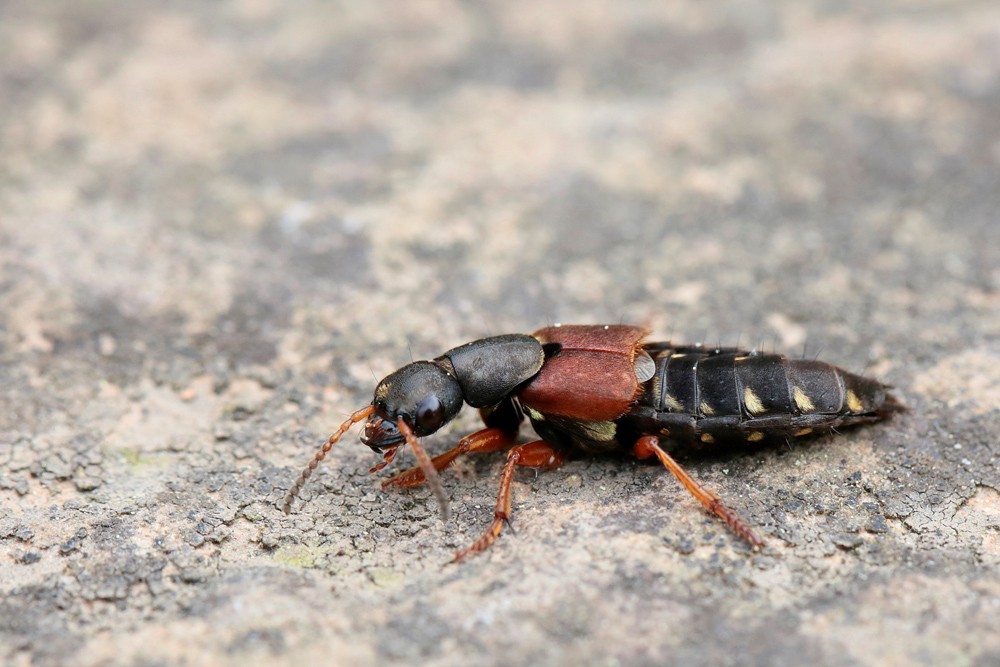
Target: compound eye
(430, 414)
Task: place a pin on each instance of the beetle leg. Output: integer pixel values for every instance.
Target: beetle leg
(486, 440)
(537, 454)
(649, 445)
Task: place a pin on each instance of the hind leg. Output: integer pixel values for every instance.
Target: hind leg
(649, 445)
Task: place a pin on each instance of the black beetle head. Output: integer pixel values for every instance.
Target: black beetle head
(421, 393)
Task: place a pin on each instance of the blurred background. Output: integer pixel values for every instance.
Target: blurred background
(221, 222)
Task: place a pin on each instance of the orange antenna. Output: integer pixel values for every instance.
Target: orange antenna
(430, 472)
(293, 492)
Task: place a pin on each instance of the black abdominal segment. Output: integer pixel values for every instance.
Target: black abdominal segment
(700, 395)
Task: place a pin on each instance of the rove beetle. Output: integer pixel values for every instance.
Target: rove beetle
(592, 390)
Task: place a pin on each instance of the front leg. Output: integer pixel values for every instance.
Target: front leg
(486, 440)
(502, 422)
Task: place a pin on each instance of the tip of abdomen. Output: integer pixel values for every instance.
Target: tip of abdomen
(890, 406)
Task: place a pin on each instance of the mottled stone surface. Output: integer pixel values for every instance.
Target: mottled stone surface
(218, 221)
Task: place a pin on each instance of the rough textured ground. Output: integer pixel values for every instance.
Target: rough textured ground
(218, 221)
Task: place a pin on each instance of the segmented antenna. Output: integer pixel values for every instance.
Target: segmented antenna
(293, 492)
(430, 472)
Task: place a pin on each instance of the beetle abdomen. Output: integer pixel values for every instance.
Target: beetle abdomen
(705, 395)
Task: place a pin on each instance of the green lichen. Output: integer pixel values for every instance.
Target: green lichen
(384, 578)
(302, 556)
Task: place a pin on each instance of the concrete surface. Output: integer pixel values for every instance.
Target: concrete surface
(221, 222)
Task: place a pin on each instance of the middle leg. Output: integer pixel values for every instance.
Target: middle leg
(537, 454)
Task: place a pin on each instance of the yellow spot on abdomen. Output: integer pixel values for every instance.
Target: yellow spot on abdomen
(804, 431)
(534, 414)
(706, 409)
(853, 402)
(673, 404)
(707, 438)
(802, 402)
(752, 401)
(755, 436)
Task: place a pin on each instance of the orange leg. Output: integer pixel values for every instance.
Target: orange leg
(486, 440)
(649, 445)
(537, 454)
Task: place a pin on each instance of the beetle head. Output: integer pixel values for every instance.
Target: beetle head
(422, 393)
